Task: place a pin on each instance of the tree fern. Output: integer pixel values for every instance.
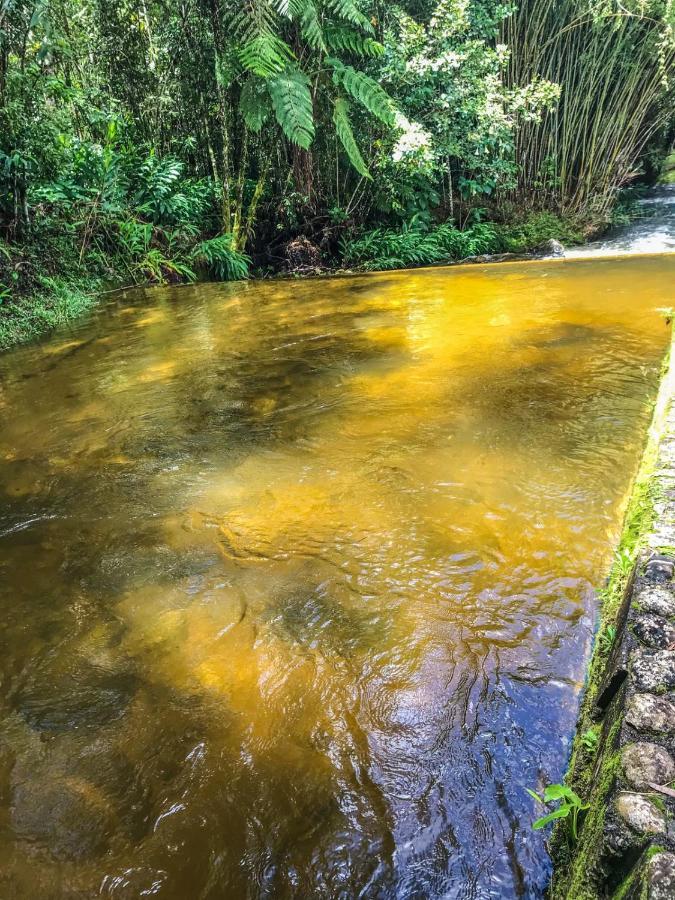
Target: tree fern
(311, 27)
(306, 13)
(342, 37)
(362, 88)
(292, 104)
(344, 131)
(349, 12)
(261, 50)
(265, 55)
(254, 103)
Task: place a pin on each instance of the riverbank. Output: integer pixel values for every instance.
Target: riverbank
(50, 282)
(622, 766)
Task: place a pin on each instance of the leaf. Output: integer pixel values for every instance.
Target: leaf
(535, 796)
(555, 792)
(254, 103)
(349, 11)
(292, 104)
(364, 89)
(561, 813)
(344, 131)
(265, 55)
(342, 37)
(560, 792)
(306, 13)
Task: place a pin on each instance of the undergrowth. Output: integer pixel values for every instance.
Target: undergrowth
(418, 245)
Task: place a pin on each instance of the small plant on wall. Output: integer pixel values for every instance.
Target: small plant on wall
(569, 807)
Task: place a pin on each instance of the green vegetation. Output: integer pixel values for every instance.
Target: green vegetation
(589, 740)
(154, 141)
(570, 805)
(668, 171)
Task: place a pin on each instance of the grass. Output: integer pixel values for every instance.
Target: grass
(55, 303)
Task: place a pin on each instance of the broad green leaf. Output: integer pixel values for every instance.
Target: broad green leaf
(560, 813)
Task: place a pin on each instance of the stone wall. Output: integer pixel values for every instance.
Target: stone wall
(626, 848)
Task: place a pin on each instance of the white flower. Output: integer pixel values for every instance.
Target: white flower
(414, 140)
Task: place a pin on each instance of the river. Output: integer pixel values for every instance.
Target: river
(298, 578)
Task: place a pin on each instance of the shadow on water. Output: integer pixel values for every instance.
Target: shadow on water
(297, 578)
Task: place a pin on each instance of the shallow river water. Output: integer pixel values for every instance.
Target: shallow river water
(297, 578)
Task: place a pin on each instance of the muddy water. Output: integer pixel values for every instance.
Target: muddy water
(296, 579)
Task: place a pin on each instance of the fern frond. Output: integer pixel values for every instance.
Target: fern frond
(261, 50)
(306, 13)
(255, 17)
(265, 55)
(311, 28)
(364, 89)
(254, 103)
(350, 12)
(341, 37)
(343, 129)
(292, 102)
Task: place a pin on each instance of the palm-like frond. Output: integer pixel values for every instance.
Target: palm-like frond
(342, 37)
(292, 102)
(343, 129)
(364, 89)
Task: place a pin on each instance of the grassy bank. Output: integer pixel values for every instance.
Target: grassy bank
(55, 277)
(593, 782)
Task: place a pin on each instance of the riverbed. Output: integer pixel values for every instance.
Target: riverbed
(298, 578)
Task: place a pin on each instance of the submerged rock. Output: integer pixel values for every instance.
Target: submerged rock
(83, 695)
(641, 814)
(68, 815)
(645, 764)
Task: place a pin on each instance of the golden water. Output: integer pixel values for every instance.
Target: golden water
(296, 578)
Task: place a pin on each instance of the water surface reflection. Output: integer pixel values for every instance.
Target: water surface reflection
(296, 577)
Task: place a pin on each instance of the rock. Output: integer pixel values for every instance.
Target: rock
(660, 568)
(655, 631)
(661, 877)
(302, 254)
(551, 248)
(640, 814)
(645, 712)
(653, 670)
(657, 599)
(645, 763)
(83, 696)
(68, 816)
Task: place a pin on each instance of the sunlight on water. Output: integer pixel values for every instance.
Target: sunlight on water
(297, 577)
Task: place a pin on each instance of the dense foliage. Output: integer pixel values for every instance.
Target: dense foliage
(161, 140)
